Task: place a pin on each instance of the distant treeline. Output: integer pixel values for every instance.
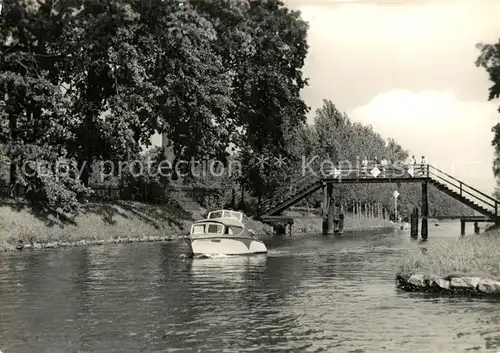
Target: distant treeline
(334, 136)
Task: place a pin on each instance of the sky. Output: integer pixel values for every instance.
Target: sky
(407, 68)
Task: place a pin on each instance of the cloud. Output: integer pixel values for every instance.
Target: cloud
(453, 134)
(358, 50)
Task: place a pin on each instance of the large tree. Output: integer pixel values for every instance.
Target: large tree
(35, 115)
(263, 47)
(88, 80)
(489, 59)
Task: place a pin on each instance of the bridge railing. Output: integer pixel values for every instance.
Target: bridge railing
(370, 171)
(376, 171)
(285, 192)
(464, 189)
(397, 171)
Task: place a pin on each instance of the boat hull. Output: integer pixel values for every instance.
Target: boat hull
(226, 246)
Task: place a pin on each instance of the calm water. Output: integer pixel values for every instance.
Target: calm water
(309, 294)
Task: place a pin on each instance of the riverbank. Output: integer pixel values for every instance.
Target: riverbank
(25, 227)
(467, 265)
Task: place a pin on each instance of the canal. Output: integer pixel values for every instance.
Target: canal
(309, 294)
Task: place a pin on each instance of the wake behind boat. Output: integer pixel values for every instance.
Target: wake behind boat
(223, 232)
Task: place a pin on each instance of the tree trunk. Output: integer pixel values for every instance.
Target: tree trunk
(13, 139)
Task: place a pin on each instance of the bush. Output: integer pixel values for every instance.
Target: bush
(46, 178)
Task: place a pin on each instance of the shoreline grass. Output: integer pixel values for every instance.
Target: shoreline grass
(475, 255)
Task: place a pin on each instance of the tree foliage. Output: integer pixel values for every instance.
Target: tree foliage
(91, 80)
(88, 81)
(489, 59)
(264, 46)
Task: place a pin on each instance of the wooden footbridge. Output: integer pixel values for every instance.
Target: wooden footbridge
(425, 174)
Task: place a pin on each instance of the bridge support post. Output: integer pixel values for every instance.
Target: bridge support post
(476, 228)
(341, 223)
(279, 229)
(328, 210)
(414, 224)
(462, 227)
(290, 225)
(425, 212)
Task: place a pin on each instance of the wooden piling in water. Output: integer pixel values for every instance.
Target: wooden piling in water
(414, 224)
(328, 210)
(279, 229)
(462, 227)
(476, 228)
(331, 211)
(324, 210)
(425, 212)
(341, 222)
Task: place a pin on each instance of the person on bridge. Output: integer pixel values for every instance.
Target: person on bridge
(364, 166)
(383, 166)
(422, 166)
(413, 164)
(391, 165)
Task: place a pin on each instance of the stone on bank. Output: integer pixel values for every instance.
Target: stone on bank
(489, 286)
(435, 284)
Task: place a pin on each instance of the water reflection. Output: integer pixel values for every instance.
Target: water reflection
(235, 269)
(308, 294)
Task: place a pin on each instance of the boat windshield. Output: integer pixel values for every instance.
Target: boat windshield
(233, 214)
(215, 214)
(225, 214)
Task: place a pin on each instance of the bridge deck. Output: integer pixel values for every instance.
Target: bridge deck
(284, 219)
(361, 180)
(464, 218)
(312, 180)
(389, 174)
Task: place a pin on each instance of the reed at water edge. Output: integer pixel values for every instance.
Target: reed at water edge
(474, 256)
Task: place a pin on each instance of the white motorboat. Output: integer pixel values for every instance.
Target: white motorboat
(223, 232)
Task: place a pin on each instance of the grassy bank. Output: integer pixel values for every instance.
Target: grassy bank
(99, 223)
(475, 255)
